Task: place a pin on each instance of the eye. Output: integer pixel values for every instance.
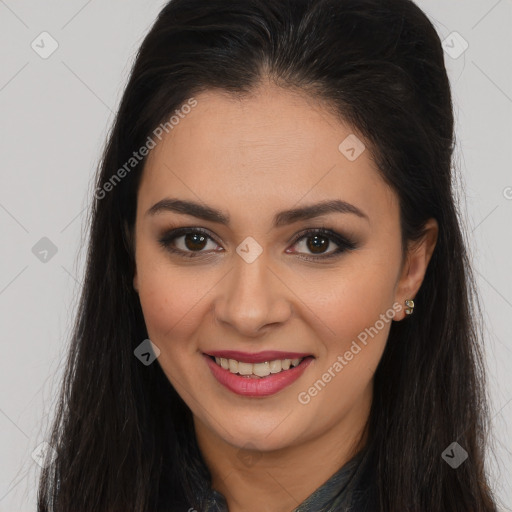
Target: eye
(319, 240)
(192, 242)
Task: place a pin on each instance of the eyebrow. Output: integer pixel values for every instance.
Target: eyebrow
(280, 219)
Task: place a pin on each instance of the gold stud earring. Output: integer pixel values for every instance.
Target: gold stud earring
(410, 307)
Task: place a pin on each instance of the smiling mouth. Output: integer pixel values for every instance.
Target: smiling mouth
(257, 370)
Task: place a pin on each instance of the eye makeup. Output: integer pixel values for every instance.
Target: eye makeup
(197, 235)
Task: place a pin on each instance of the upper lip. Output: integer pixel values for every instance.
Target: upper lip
(256, 357)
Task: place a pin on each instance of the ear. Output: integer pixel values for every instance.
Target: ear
(415, 265)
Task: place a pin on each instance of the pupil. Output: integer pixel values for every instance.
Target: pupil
(197, 239)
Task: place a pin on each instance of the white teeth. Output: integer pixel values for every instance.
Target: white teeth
(261, 369)
(275, 366)
(244, 368)
(257, 369)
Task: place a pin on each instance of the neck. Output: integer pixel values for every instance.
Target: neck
(280, 480)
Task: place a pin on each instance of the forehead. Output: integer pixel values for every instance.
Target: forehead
(275, 144)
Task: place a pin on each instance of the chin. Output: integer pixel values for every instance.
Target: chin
(244, 436)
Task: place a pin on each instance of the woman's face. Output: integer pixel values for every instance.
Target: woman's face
(254, 281)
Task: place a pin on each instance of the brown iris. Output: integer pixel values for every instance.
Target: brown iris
(319, 241)
(195, 241)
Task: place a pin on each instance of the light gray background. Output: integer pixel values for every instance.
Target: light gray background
(55, 114)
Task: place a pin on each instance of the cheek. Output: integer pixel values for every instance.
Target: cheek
(357, 300)
(172, 299)
(359, 310)
(170, 309)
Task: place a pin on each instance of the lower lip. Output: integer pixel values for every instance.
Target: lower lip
(264, 386)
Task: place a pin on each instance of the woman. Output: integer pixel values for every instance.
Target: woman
(278, 306)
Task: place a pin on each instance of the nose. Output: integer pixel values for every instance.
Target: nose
(252, 297)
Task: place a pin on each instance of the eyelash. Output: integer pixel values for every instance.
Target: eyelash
(344, 243)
